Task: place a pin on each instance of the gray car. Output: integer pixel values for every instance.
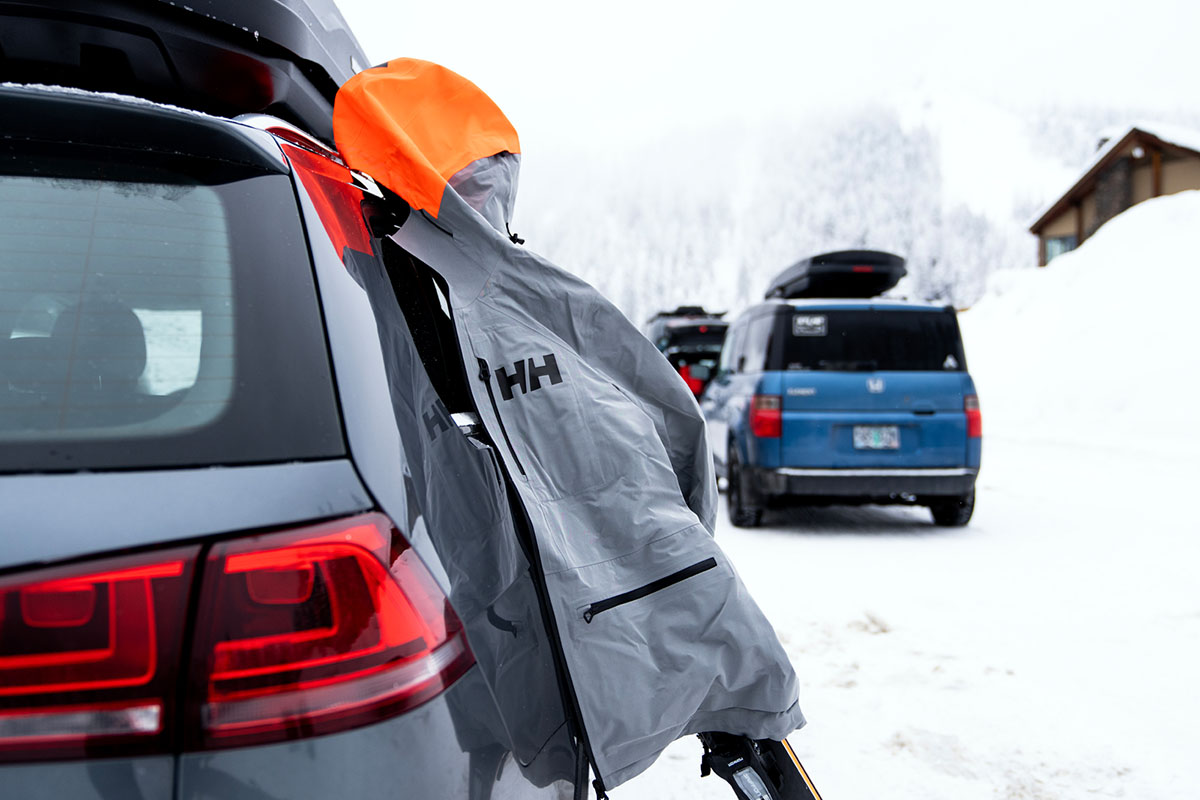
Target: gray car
(247, 537)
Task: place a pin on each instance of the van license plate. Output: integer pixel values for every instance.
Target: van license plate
(876, 437)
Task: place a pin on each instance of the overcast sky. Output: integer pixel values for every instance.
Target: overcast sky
(626, 71)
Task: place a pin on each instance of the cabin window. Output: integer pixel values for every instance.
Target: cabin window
(1057, 245)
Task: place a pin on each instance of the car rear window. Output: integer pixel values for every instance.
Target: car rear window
(869, 340)
(702, 336)
(155, 311)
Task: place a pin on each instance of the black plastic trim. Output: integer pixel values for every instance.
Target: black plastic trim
(880, 489)
(285, 57)
(41, 114)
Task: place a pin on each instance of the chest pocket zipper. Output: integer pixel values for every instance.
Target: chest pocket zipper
(485, 375)
(600, 606)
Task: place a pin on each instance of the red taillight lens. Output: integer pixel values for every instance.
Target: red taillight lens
(338, 201)
(318, 630)
(693, 383)
(766, 416)
(974, 416)
(297, 634)
(88, 655)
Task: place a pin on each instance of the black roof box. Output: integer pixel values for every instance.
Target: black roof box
(687, 311)
(845, 273)
(225, 57)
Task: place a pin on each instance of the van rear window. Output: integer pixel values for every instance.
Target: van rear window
(699, 337)
(870, 340)
(155, 314)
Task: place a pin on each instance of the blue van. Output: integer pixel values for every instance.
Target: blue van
(845, 401)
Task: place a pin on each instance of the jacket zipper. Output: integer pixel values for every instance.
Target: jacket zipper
(485, 375)
(601, 606)
(537, 574)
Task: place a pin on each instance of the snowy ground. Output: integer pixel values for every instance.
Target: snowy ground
(1050, 649)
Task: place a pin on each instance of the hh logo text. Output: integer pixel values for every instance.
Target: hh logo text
(528, 375)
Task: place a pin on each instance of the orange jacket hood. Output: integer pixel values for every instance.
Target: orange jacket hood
(419, 129)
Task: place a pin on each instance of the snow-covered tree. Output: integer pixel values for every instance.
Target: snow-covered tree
(712, 219)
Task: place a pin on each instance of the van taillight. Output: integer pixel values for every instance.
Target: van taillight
(318, 630)
(89, 655)
(694, 384)
(974, 416)
(766, 416)
(297, 633)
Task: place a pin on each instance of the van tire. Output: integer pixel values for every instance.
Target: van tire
(741, 513)
(952, 512)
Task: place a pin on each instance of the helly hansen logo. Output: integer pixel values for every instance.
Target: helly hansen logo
(437, 420)
(528, 375)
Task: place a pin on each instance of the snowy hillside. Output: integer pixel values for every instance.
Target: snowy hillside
(709, 214)
(1098, 347)
(993, 160)
(1049, 650)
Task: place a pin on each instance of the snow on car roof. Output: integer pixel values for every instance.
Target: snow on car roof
(175, 129)
(128, 99)
(261, 122)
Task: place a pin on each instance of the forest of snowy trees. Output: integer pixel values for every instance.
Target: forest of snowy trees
(713, 226)
(710, 219)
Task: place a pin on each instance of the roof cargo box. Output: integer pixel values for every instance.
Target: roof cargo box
(225, 57)
(845, 273)
(687, 311)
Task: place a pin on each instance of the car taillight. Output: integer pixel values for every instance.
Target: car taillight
(693, 383)
(766, 416)
(297, 633)
(318, 630)
(974, 417)
(89, 655)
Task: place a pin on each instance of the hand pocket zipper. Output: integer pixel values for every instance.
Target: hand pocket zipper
(600, 606)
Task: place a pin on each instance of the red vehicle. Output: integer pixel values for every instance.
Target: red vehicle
(691, 339)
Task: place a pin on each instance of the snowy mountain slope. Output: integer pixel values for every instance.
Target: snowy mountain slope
(990, 157)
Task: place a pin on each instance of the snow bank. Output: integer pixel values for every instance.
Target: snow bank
(1099, 346)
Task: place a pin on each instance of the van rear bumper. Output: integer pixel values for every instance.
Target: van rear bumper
(868, 484)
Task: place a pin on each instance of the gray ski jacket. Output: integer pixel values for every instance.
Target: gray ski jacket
(604, 442)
